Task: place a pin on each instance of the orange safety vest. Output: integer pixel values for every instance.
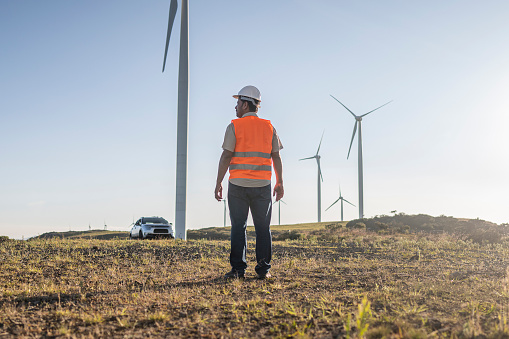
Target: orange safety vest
(252, 155)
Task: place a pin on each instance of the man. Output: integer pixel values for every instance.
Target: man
(250, 148)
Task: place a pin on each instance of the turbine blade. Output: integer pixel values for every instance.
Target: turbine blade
(171, 19)
(307, 158)
(319, 169)
(376, 109)
(320, 144)
(283, 202)
(349, 202)
(332, 205)
(351, 142)
(344, 106)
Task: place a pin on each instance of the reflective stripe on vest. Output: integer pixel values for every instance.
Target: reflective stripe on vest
(251, 167)
(252, 155)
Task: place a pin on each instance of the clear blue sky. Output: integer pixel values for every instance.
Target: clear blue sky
(88, 121)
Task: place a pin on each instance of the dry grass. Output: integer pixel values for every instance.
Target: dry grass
(361, 285)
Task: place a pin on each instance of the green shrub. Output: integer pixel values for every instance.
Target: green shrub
(476, 230)
(288, 235)
(360, 225)
(334, 226)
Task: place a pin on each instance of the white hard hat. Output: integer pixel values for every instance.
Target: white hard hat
(248, 93)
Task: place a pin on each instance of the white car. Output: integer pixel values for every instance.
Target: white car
(151, 227)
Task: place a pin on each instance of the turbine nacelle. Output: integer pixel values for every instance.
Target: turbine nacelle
(358, 119)
(317, 157)
(279, 202)
(342, 200)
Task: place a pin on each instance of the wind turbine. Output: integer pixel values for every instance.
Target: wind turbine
(224, 214)
(320, 178)
(342, 199)
(279, 209)
(358, 119)
(182, 114)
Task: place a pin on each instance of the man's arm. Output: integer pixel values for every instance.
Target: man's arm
(278, 168)
(224, 162)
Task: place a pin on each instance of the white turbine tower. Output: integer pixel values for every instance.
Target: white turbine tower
(224, 212)
(182, 114)
(279, 208)
(342, 199)
(320, 178)
(358, 119)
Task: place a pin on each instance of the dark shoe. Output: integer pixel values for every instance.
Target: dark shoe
(234, 274)
(264, 276)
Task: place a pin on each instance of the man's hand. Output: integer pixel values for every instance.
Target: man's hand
(219, 192)
(279, 191)
(278, 169)
(224, 162)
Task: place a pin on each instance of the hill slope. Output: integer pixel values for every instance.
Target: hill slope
(475, 230)
(93, 234)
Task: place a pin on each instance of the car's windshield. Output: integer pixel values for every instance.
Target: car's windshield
(154, 221)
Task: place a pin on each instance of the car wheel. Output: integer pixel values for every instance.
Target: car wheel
(141, 236)
(130, 236)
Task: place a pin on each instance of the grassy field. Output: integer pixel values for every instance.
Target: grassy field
(332, 282)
